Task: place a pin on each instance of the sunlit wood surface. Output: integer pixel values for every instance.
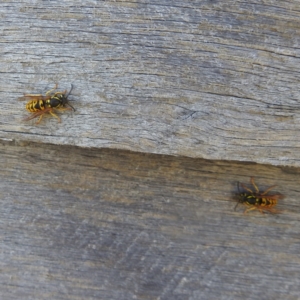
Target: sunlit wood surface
(204, 79)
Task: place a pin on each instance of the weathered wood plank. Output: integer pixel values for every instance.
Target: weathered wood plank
(108, 224)
(195, 78)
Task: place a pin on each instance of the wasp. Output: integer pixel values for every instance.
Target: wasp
(258, 200)
(39, 104)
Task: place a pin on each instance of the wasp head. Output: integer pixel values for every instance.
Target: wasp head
(60, 99)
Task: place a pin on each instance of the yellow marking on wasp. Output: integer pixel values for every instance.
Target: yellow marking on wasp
(258, 200)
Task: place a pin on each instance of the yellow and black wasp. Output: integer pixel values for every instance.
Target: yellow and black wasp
(258, 200)
(39, 104)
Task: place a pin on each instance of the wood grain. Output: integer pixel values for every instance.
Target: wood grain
(204, 79)
(109, 224)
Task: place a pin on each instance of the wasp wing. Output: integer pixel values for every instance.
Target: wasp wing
(273, 197)
(38, 113)
(29, 97)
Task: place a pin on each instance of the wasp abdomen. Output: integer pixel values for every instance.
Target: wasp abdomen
(35, 105)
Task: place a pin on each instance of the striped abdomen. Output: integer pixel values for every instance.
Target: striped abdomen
(257, 200)
(35, 105)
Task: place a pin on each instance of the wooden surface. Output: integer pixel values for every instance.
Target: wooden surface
(111, 224)
(206, 79)
(198, 79)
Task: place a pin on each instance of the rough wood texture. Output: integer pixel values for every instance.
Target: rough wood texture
(110, 224)
(210, 79)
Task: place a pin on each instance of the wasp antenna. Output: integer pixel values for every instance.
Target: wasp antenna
(68, 96)
(238, 186)
(236, 205)
(70, 90)
(71, 106)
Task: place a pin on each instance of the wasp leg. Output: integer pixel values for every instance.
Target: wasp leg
(249, 209)
(64, 108)
(261, 210)
(55, 88)
(39, 120)
(54, 115)
(246, 188)
(60, 93)
(268, 189)
(253, 183)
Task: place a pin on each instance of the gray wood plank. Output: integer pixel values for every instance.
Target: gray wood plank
(106, 224)
(204, 79)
